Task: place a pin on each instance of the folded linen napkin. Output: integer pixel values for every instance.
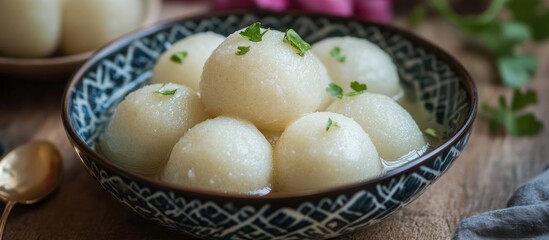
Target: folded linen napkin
(526, 215)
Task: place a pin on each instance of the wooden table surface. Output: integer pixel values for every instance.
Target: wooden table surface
(482, 178)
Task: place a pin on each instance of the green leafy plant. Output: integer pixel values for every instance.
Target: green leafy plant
(501, 37)
(512, 118)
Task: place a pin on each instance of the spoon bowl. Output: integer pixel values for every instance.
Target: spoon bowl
(28, 174)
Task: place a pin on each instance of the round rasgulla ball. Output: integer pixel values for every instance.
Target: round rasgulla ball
(364, 62)
(271, 85)
(198, 47)
(29, 28)
(89, 24)
(308, 156)
(391, 128)
(223, 154)
(146, 125)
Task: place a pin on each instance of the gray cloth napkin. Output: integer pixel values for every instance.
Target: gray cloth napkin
(526, 215)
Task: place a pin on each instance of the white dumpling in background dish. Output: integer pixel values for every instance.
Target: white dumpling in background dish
(198, 48)
(146, 125)
(309, 157)
(223, 154)
(90, 24)
(364, 62)
(29, 28)
(271, 85)
(391, 128)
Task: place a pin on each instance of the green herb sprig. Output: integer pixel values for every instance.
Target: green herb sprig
(179, 57)
(331, 123)
(430, 132)
(291, 37)
(336, 91)
(336, 54)
(165, 92)
(512, 118)
(253, 32)
(242, 50)
(527, 21)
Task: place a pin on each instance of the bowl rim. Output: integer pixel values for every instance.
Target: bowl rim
(150, 16)
(107, 50)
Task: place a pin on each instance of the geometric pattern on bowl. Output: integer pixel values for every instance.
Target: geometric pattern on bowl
(102, 83)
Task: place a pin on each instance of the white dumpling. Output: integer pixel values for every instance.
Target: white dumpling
(309, 157)
(271, 85)
(364, 62)
(223, 154)
(90, 24)
(198, 48)
(146, 125)
(391, 128)
(29, 28)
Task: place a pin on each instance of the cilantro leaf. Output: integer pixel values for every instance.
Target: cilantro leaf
(242, 50)
(431, 132)
(297, 42)
(521, 100)
(358, 87)
(253, 32)
(179, 57)
(510, 118)
(335, 90)
(502, 37)
(336, 54)
(515, 71)
(331, 123)
(533, 14)
(164, 92)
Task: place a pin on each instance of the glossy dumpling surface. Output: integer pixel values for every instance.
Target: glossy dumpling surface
(222, 154)
(197, 48)
(309, 157)
(391, 128)
(146, 125)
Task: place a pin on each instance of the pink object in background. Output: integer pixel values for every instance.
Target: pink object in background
(276, 5)
(333, 7)
(375, 10)
(228, 4)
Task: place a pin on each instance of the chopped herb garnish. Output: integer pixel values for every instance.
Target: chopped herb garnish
(297, 42)
(253, 32)
(331, 123)
(431, 132)
(162, 91)
(336, 54)
(358, 87)
(242, 50)
(179, 57)
(336, 91)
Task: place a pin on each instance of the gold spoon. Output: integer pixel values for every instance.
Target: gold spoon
(28, 174)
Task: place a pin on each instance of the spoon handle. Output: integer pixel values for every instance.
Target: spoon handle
(4, 218)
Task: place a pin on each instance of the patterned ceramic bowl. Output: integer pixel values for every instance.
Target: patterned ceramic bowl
(432, 76)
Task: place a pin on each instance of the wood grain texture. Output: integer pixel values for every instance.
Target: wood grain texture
(484, 176)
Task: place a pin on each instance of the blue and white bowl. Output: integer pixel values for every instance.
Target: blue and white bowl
(432, 76)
